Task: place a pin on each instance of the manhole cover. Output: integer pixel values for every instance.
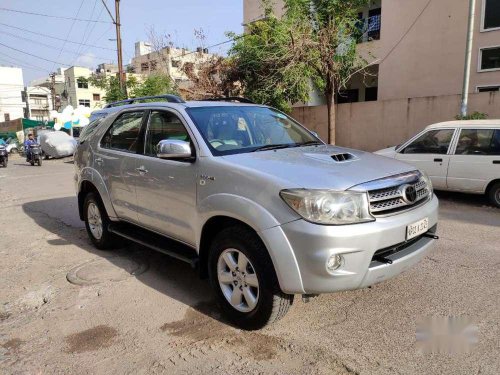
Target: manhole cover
(102, 270)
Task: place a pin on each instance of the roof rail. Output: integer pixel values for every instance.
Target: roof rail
(167, 97)
(229, 99)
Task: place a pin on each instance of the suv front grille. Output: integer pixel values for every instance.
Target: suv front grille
(402, 196)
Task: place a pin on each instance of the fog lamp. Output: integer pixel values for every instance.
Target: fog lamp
(334, 262)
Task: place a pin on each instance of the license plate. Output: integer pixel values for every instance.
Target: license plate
(416, 229)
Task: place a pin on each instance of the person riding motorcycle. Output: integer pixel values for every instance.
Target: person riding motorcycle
(27, 143)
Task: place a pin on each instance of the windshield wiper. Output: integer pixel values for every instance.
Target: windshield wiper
(274, 147)
(309, 143)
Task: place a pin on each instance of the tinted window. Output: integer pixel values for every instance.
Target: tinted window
(123, 135)
(431, 142)
(490, 58)
(88, 130)
(163, 125)
(478, 142)
(491, 14)
(236, 129)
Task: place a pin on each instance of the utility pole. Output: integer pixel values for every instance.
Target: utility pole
(116, 21)
(53, 90)
(468, 57)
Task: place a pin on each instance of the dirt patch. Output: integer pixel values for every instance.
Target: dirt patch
(202, 326)
(91, 339)
(12, 346)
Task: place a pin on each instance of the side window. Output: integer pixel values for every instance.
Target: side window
(431, 142)
(163, 125)
(123, 135)
(478, 142)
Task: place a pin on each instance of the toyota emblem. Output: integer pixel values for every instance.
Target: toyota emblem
(409, 194)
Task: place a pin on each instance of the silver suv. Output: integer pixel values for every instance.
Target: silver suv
(252, 199)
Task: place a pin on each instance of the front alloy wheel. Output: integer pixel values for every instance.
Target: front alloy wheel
(95, 220)
(238, 280)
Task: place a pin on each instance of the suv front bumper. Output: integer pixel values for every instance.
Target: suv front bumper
(312, 244)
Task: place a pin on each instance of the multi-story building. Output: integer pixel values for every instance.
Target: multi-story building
(169, 60)
(417, 48)
(79, 91)
(11, 87)
(38, 103)
(54, 82)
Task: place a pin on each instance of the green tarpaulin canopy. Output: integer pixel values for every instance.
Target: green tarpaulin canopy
(27, 124)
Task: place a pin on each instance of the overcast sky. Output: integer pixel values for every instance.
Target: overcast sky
(177, 18)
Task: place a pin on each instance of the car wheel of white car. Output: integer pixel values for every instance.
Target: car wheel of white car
(96, 223)
(494, 194)
(243, 277)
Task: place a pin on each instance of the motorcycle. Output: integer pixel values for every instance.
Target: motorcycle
(4, 156)
(35, 155)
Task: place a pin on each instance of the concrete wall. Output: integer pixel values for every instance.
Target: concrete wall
(374, 125)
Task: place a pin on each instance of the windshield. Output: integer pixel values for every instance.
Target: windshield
(237, 129)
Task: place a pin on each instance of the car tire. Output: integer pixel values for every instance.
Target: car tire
(5, 162)
(14, 151)
(494, 194)
(97, 222)
(259, 301)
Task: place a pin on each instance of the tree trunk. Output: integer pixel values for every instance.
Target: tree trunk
(330, 106)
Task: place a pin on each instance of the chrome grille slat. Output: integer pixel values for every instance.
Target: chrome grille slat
(390, 200)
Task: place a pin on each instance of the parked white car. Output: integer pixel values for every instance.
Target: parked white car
(57, 144)
(457, 155)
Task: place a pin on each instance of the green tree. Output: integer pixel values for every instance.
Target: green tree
(154, 84)
(313, 42)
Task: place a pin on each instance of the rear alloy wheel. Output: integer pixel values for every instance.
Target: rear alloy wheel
(242, 275)
(494, 194)
(97, 222)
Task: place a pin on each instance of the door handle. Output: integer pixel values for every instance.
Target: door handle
(438, 160)
(142, 170)
(98, 161)
(496, 161)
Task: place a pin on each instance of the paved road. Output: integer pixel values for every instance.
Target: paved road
(136, 311)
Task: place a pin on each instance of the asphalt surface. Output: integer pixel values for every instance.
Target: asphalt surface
(68, 308)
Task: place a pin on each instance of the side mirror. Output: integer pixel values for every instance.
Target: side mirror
(174, 149)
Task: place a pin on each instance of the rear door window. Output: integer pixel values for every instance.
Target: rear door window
(123, 135)
(478, 142)
(431, 142)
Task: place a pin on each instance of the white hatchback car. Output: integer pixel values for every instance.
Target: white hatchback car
(457, 155)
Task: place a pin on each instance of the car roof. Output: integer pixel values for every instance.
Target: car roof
(464, 124)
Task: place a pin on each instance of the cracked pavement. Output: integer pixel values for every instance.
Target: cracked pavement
(162, 320)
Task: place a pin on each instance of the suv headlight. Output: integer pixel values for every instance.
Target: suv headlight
(428, 182)
(329, 207)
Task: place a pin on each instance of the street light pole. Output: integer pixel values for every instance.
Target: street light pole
(468, 57)
(116, 21)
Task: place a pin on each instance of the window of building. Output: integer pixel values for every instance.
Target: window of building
(374, 23)
(123, 135)
(488, 89)
(491, 14)
(176, 63)
(478, 142)
(144, 67)
(84, 102)
(6, 116)
(82, 83)
(431, 142)
(348, 96)
(96, 97)
(490, 58)
(371, 94)
(152, 65)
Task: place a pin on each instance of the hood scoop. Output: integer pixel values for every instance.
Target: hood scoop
(342, 156)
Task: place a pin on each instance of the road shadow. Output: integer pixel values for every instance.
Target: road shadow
(167, 275)
(467, 208)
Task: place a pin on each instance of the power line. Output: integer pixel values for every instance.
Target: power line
(51, 16)
(21, 62)
(45, 45)
(85, 31)
(56, 38)
(32, 55)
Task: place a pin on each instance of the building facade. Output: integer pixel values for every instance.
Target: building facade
(38, 103)
(11, 88)
(417, 48)
(169, 60)
(55, 83)
(79, 91)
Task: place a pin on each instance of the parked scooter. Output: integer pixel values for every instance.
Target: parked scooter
(35, 155)
(4, 156)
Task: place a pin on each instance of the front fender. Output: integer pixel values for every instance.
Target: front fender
(90, 174)
(266, 226)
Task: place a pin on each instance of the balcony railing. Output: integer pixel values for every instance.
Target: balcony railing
(369, 28)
